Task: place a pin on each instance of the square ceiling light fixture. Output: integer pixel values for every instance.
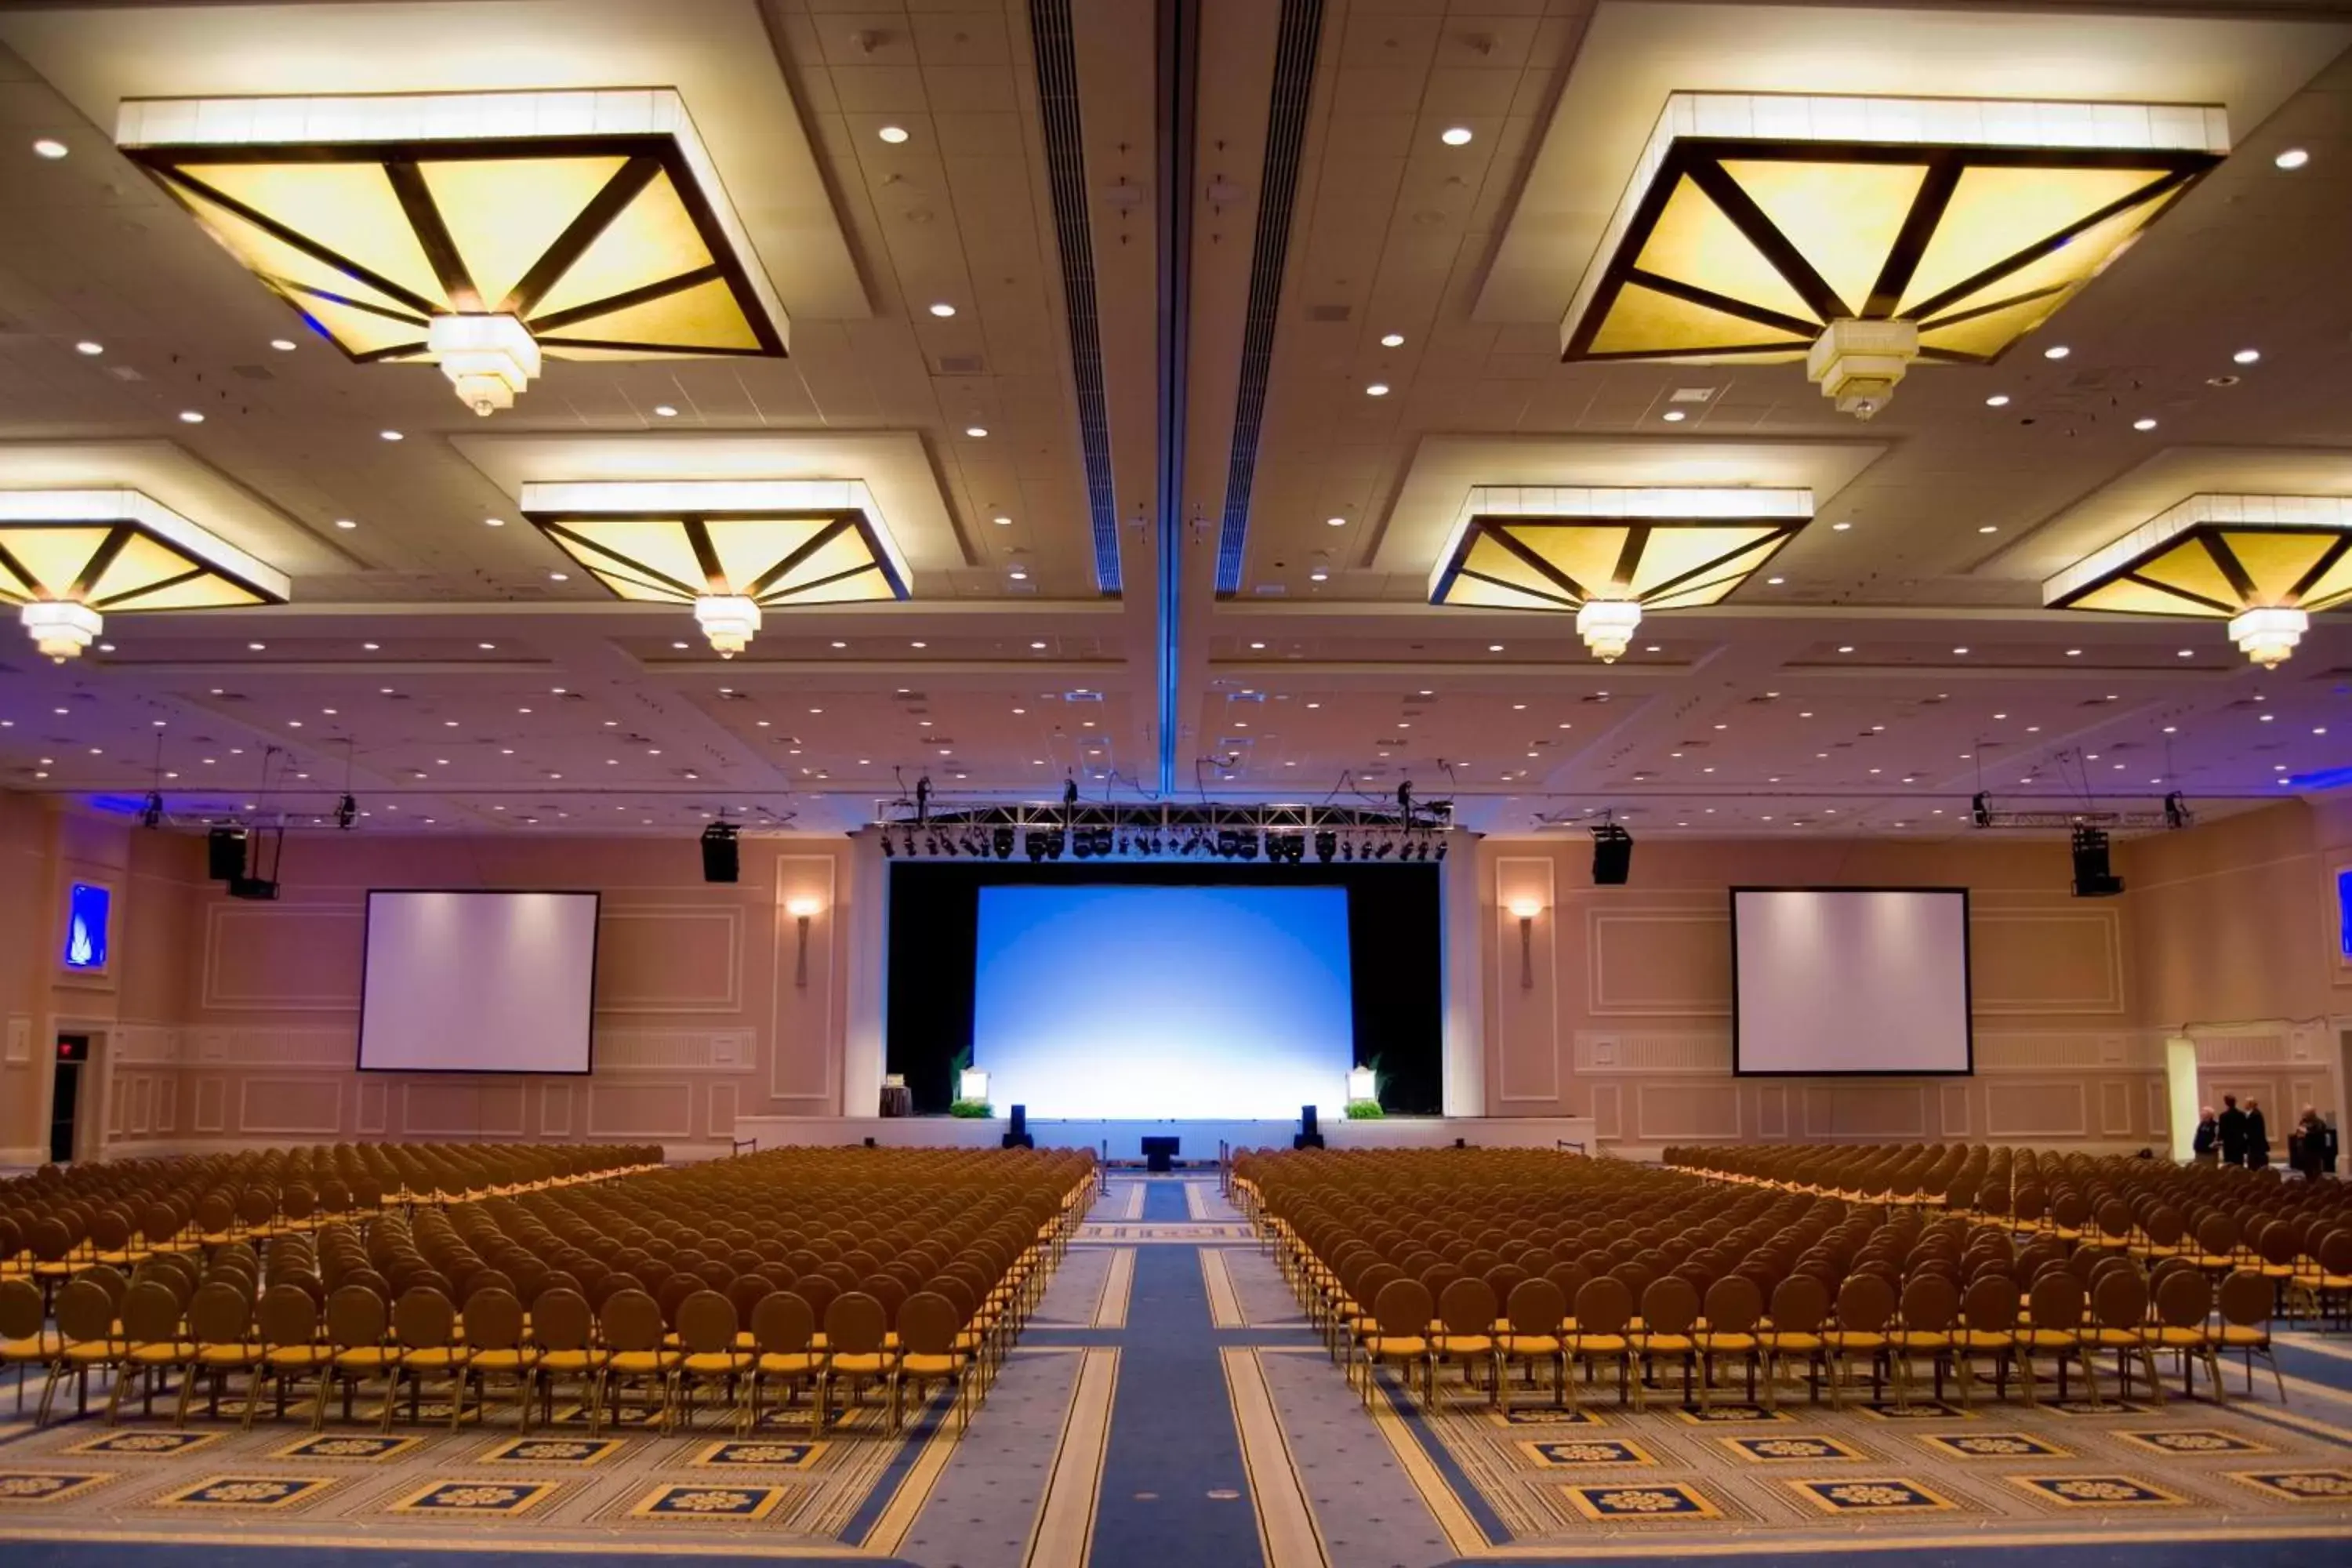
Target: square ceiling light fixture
(2263, 564)
(1863, 234)
(71, 558)
(480, 232)
(1608, 555)
(730, 548)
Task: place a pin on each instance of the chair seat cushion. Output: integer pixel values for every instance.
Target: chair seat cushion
(227, 1356)
(2048, 1339)
(1531, 1344)
(42, 1346)
(505, 1361)
(1465, 1344)
(1793, 1341)
(298, 1355)
(1396, 1344)
(1740, 1343)
(1925, 1339)
(1599, 1344)
(2240, 1334)
(717, 1363)
(789, 1365)
(1667, 1344)
(572, 1360)
(931, 1365)
(436, 1358)
(867, 1363)
(638, 1363)
(1857, 1340)
(365, 1358)
(2180, 1339)
(161, 1354)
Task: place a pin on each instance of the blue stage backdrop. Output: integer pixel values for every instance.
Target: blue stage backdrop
(1118, 1002)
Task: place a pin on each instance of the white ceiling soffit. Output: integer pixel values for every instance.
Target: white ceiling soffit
(2159, 484)
(1445, 468)
(894, 467)
(715, 53)
(180, 481)
(1634, 54)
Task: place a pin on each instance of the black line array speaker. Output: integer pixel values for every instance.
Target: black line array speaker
(1613, 856)
(1019, 1138)
(2093, 879)
(224, 853)
(1307, 1137)
(721, 862)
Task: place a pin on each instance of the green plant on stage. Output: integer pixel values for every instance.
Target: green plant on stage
(1364, 1110)
(973, 1107)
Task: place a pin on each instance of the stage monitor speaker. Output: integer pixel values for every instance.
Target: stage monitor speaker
(721, 860)
(1159, 1153)
(1307, 1137)
(224, 853)
(1019, 1137)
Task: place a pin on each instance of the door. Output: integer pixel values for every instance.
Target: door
(65, 1096)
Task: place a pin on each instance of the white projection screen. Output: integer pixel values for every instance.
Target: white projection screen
(1850, 982)
(479, 983)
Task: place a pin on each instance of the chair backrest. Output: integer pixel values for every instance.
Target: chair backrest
(219, 1314)
(2183, 1299)
(286, 1316)
(706, 1323)
(21, 1314)
(422, 1318)
(1467, 1306)
(853, 1324)
(493, 1318)
(781, 1325)
(151, 1314)
(2055, 1301)
(2247, 1299)
(1536, 1307)
(561, 1320)
(1989, 1306)
(631, 1321)
(1866, 1304)
(927, 1323)
(818, 1291)
(1800, 1304)
(1604, 1306)
(1403, 1309)
(1930, 1303)
(2119, 1301)
(1734, 1305)
(1670, 1305)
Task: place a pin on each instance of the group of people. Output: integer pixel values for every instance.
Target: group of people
(2241, 1137)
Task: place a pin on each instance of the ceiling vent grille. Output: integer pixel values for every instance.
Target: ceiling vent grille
(1057, 101)
(1286, 133)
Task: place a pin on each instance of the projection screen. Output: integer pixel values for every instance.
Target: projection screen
(1842, 982)
(479, 983)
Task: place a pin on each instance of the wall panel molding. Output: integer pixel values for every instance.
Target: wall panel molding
(1659, 963)
(1526, 1018)
(314, 957)
(1952, 1119)
(1653, 1053)
(2115, 1109)
(2080, 949)
(1874, 1112)
(297, 1107)
(1685, 1112)
(372, 1113)
(641, 931)
(555, 1110)
(2055, 1108)
(718, 1114)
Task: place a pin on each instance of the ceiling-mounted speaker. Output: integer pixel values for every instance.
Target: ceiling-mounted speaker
(1613, 856)
(224, 854)
(721, 860)
(2092, 879)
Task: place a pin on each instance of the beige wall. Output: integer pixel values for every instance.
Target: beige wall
(2227, 930)
(223, 1021)
(237, 1022)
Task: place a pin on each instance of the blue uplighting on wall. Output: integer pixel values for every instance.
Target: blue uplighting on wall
(86, 914)
(2344, 912)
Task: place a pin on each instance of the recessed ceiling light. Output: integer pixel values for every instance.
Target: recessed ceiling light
(664, 411)
(2188, 653)
(977, 432)
(1257, 645)
(1037, 646)
(1840, 527)
(494, 522)
(1845, 648)
(371, 647)
(1998, 400)
(1336, 522)
(1961, 651)
(1377, 389)
(2143, 424)
(2056, 350)
(2292, 158)
(391, 436)
(1392, 339)
(257, 646)
(942, 309)
(190, 416)
(283, 345)
(559, 576)
(1774, 582)
(345, 523)
(487, 646)
(1494, 647)
(1674, 416)
(2247, 356)
(1455, 136)
(893, 134)
(2073, 653)
(87, 346)
(50, 147)
(919, 644)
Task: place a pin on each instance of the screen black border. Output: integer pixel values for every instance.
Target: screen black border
(1967, 981)
(595, 952)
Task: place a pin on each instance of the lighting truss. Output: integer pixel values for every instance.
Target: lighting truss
(1414, 833)
(2174, 813)
(1861, 234)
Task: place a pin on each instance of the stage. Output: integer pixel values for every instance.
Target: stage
(1122, 1140)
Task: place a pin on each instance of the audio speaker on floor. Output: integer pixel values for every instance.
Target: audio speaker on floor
(1019, 1137)
(1307, 1137)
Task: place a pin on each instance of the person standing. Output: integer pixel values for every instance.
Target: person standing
(2258, 1137)
(2208, 1135)
(2310, 1143)
(2233, 1132)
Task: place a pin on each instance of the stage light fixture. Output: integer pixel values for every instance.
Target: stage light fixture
(1034, 846)
(1002, 842)
(347, 813)
(2093, 879)
(1613, 856)
(885, 847)
(1327, 844)
(1083, 845)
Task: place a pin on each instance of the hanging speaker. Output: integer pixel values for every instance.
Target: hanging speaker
(1613, 856)
(721, 862)
(224, 854)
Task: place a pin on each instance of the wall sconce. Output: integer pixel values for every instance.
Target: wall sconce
(1527, 910)
(802, 910)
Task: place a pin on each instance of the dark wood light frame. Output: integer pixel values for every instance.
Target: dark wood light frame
(2211, 535)
(852, 519)
(1502, 529)
(1701, 158)
(121, 531)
